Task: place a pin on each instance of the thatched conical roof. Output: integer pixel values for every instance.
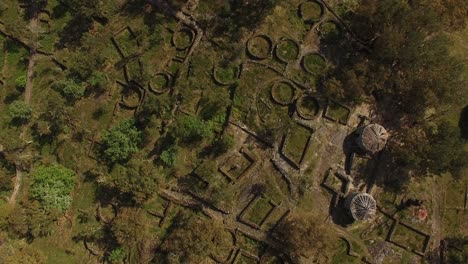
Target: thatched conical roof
(372, 138)
(362, 206)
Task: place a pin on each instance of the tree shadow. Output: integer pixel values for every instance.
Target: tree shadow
(339, 213)
(463, 123)
(72, 33)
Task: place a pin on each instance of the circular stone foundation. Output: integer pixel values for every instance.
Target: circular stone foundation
(308, 107)
(329, 28)
(259, 47)
(159, 83)
(313, 63)
(283, 92)
(226, 75)
(311, 11)
(131, 96)
(183, 38)
(287, 50)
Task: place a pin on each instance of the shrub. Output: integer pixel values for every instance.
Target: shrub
(70, 89)
(169, 156)
(20, 111)
(121, 141)
(192, 129)
(52, 185)
(20, 82)
(136, 180)
(117, 255)
(223, 144)
(98, 81)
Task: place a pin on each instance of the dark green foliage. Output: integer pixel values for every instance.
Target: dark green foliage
(51, 186)
(446, 150)
(137, 179)
(117, 255)
(457, 250)
(84, 8)
(410, 68)
(302, 235)
(223, 144)
(153, 108)
(6, 182)
(441, 151)
(214, 104)
(121, 141)
(98, 81)
(190, 239)
(20, 82)
(20, 111)
(31, 220)
(463, 123)
(235, 17)
(54, 114)
(191, 129)
(70, 89)
(169, 156)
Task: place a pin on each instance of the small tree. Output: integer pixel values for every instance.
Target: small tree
(304, 236)
(137, 180)
(223, 144)
(190, 239)
(20, 82)
(121, 141)
(169, 156)
(117, 255)
(192, 129)
(70, 89)
(20, 111)
(98, 81)
(52, 185)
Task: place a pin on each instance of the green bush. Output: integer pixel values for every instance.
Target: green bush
(70, 89)
(98, 81)
(20, 82)
(223, 144)
(51, 186)
(121, 141)
(117, 255)
(136, 180)
(20, 111)
(192, 129)
(169, 156)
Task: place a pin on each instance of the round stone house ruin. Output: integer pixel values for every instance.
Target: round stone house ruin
(361, 206)
(372, 138)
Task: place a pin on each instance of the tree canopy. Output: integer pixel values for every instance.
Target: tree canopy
(20, 111)
(138, 179)
(190, 240)
(52, 185)
(70, 89)
(121, 141)
(304, 236)
(411, 69)
(192, 129)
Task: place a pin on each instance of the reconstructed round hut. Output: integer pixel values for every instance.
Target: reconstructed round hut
(362, 206)
(372, 138)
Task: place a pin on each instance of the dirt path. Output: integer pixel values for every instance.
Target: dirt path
(436, 221)
(18, 179)
(33, 27)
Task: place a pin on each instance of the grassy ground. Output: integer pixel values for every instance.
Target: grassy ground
(341, 255)
(296, 142)
(287, 50)
(283, 92)
(338, 112)
(259, 210)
